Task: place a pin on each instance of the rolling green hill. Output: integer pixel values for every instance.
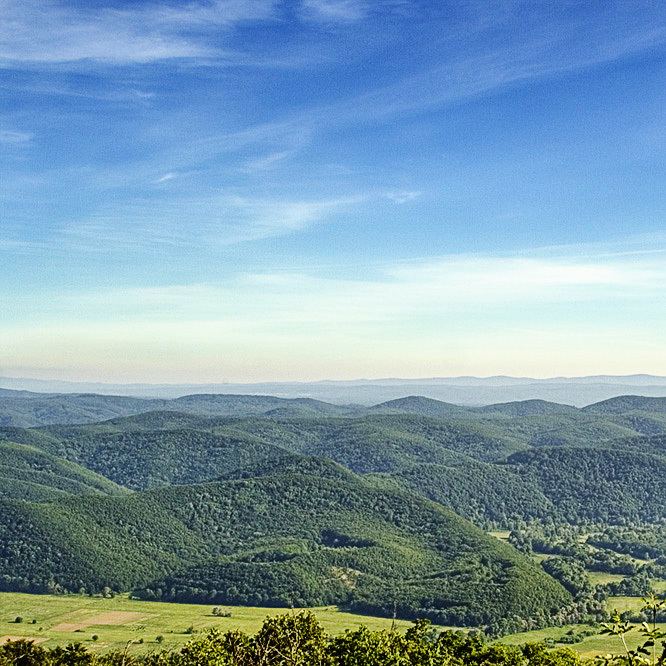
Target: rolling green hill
(277, 539)
(482, 492)
(527, 408)
(164, 447)
(228, 499)
(472, 464)
(655, 444)
(628, 403)
(143, 459)
(30, 474)
(244, 405)
(417, 404)
(597, 484)
(25, 409)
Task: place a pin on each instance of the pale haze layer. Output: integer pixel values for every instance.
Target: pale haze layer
(249, 190)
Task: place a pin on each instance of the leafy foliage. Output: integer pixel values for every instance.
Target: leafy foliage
(653, 649)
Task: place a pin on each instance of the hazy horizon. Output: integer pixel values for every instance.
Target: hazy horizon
(402, 379)
(577, 391)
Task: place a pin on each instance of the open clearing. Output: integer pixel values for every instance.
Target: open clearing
(502, 535)
(590, 646)
(66, 619)
(71, 618)
(111, 617)
(602, 578)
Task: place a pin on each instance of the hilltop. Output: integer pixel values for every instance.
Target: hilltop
(31, 474)
(25, 409)
(469, 459)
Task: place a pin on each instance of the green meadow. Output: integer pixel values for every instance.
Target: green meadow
(110, 624)
(590, 646)
(57, 620)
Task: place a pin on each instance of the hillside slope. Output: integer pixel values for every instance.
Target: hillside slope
(472, 465)
(628, 403)
(597, 484)
(26, 410)
(31, 474)
(418, 404)
(281, 538)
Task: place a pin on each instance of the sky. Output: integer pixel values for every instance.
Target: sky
(265, 190)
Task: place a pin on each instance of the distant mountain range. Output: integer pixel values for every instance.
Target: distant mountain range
(26, 409)
(578, 391)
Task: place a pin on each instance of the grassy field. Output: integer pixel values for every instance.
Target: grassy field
(590, 646)
(624, 603)
(60, 620)
(602, 578)
(503, 535)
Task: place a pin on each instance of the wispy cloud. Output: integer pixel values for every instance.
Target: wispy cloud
(15, 137)
(166, 177)
(53, 32)
(335, 10)
(273, 218)
(252, 149)
(459, 313)
(418, 290)
(116, 92)
(265, 161)
(402, 196)
(475, 70)
(473, 63)
(216, 222)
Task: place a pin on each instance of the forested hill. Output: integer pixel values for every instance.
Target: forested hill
(25, 409)
(259, 500)
(28, 409)
(31, 474)
(628, 403)
(416, 404)
(490, 467)
(278, 539)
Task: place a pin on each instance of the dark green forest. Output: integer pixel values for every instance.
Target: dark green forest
(382, 510)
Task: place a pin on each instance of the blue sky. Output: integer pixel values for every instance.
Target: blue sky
(252, 190)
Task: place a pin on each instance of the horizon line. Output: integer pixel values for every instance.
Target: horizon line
(358, 380)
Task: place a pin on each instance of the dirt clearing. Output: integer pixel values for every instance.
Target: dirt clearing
(112, 617)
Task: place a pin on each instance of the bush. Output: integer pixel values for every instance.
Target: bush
(221, 612)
